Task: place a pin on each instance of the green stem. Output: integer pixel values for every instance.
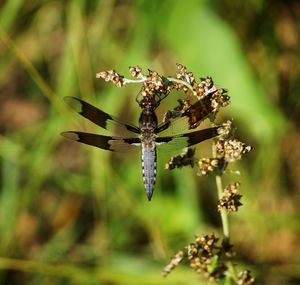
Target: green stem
(219, 184)
(223, 213)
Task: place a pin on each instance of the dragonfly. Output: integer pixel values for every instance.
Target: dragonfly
(147, 135)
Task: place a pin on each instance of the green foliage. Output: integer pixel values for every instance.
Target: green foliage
(74, 215)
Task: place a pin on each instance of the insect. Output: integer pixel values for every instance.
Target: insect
(145, 135)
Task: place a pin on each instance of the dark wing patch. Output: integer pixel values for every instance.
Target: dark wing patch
(188, 139)
(199, 111)
(99, 117)
(193, 115)
(104, 142)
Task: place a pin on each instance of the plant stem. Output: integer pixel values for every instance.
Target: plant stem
(128, 81)
(223, 213)
(181, 82)
(219, 184)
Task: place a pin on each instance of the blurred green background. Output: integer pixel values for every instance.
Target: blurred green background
(71, 214)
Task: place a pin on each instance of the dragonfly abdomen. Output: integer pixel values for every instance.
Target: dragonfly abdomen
(149, 169)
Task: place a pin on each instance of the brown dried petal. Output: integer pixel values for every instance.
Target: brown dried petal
(207, 242)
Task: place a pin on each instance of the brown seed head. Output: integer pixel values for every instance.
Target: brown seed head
(245, 278)
(111, 76)
(176, 259)
(186, 158)
(230, 199)
(207, 165)
(135, 71)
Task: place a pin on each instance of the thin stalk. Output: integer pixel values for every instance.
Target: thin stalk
(144, 78)
(128, 81)
(223, 213)
(219, 184)
(183, 83)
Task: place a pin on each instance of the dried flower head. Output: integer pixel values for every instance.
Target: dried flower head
(219, 99)
(207, 165)
(184, 76)
(156, 84)
(206, 256)
(187, 157)
(230, 199)
(207, 243)
(231, 150)
(111, 76)
(245, 278)
(136, 71)
(175, 260)
(226, 130)
(205, 88)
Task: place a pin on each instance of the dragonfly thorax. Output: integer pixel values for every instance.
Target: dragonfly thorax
(148, 128)
(148, 139)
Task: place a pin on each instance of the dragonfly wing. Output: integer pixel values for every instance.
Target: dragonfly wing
(104, 142)
(99, 117)
(188, 139)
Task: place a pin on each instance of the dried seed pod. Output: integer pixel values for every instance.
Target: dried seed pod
(155, 84)
(175, 260)
(111, 76)
(230, 199)
(207, 165)
(185, 75)
(135, 71)
(245, 278)
(226, 130)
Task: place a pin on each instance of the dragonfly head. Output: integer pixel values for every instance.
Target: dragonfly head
(148, 103)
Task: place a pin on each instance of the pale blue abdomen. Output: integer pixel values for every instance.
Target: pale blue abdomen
(149, 169)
